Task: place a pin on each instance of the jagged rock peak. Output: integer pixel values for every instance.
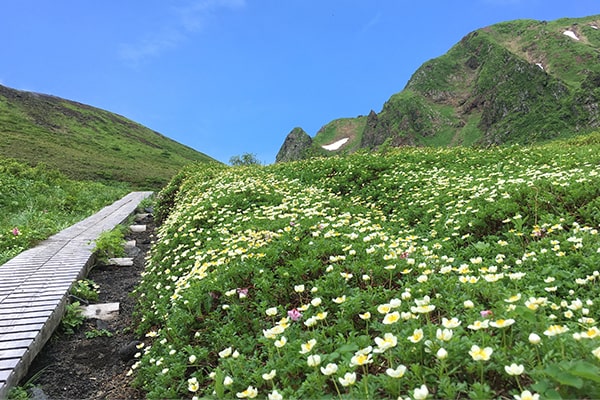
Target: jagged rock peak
(295, 146)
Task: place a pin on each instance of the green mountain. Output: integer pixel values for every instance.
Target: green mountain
(521, 81)
(87, 143)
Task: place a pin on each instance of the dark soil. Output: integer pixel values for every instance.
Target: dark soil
(75, 367)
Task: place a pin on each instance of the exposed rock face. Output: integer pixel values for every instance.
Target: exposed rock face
(295, 146)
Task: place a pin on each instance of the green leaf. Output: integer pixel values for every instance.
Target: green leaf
(585, 370)
(219, 387)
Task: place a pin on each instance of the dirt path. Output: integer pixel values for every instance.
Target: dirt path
(77, 367)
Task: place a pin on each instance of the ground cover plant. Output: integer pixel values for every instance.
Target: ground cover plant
(439, 273)
(38, 202)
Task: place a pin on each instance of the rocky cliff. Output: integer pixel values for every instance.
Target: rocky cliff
(295, 146)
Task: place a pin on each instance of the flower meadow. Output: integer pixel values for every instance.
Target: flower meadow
(418, 273)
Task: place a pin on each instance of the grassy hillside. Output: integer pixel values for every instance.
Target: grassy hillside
(87, 143)
(451, 273)
(38, 202)
(521, 81)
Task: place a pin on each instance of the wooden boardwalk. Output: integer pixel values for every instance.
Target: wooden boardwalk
(34, 287)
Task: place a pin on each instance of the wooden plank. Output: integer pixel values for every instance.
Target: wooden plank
(16, 344)
(9, 323)
(16, 336)
(12, 353)
(27, 315)
(26, 309)
(4, 374)
(43, 297)
(23, 328)
(9, 363)
(35, 301)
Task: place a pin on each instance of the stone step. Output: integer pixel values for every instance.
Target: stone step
(105, 311)
(121, 261)
(137, 228)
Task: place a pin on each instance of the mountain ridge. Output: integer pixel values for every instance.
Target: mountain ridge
(520, 81)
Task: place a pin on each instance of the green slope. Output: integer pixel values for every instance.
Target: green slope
(87, 143)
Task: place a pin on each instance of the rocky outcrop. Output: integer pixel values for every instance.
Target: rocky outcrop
(295, 146)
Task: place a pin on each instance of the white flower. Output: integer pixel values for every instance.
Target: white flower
(313, 360)
(250, 393)
(306, 347)
(316, 301)
(396, 373)
(365, 316)
(329, 369)
(299, 288)
(443, 335)
(192, 359)
(527, 395)
(275, 395)
(193, 385)
(421, 393)
(417, 336)
(270, 375)
(225, 353)
(450, 323)
(534, 338)
(514, 369)
(271, 311)
(388, 341)
(227, 381)
(339, 300)
(280, 342)
(441, 353)
(348, 379)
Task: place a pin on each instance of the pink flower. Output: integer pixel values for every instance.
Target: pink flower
(486, 313)
(15, 231)
(294, 314)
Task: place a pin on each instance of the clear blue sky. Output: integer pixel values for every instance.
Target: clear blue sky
(233, 76)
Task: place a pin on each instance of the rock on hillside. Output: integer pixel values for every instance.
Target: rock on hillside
(295, 146)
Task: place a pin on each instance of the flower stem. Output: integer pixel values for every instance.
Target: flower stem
(366, 381)
(337, 389)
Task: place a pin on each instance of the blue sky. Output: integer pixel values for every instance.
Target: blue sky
(233, 76)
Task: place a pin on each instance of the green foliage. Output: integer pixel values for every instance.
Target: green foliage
(110, 244)
(72, 319)
(36, 203)
(87, 143)
(94, 333)
(85, 289)
(18, 393)
(365, 261)
(244, 160)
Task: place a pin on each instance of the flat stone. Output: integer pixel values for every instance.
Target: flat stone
(137, 228)
(130, 249)
(106, 311)
(141, 217)
(121, 261)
